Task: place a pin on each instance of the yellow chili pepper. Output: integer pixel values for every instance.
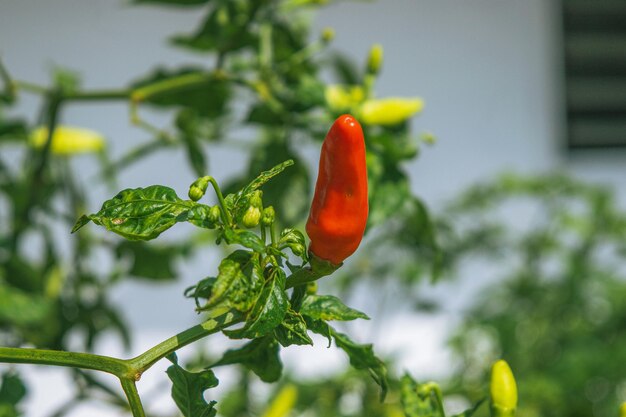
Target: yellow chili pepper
(68, 140)
(503, 390)
(344, 97)
(389, 111)
(622, 410)
(283, 402)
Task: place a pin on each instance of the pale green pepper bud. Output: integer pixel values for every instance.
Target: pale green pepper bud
(375, 59)
(503, 390)
(214, 214)
(268, 216)
(198, 188)
(251, 217)
(256, 199)
(328, 34)
(311, 288)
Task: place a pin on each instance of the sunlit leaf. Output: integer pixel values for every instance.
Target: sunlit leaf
(329, 307)
(140, 213)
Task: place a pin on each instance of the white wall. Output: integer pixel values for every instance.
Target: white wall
(489, 71)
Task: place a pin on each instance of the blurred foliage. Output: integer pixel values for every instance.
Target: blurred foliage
(262, 80)
(556, 308)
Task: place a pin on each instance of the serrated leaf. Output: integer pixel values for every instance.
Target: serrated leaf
(259, 355)
(140, 213)
(188, 389)
(329, 307)
(244, 238)
(268, 311)
(293, 330)
(363, 357)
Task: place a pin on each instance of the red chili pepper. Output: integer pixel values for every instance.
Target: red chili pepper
(339, 209)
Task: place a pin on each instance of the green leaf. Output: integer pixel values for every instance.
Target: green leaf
(150, 261)
(188, 87)
(420, 400)
(294, 240)
(173, 2)
(12, 389)
(12, 130)
(265, 176)
(224, 29)
(363, 357)
(140, 213)
(244, 238)
(293, 330)
(238, 280)
(268, 311)
(22, 309)
(259, 355)
(329, 307)
(188, 389)
(389, 189)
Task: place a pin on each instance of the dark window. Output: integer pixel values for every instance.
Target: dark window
(595, 68)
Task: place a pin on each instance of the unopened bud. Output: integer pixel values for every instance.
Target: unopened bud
(328, 34)
(268, 216)
(198, 188)
(214, 214)
(252, 217)
(375, 59)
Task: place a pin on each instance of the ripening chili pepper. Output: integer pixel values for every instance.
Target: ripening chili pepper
(339, 209)
(503, 390)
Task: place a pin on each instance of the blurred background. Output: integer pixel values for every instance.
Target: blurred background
(493, 77)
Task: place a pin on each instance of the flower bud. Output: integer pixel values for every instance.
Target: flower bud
(375, 59)
(251, 217)
(198, 188)
(214, 214)
(268, 216)
(503, 390)
(328, 34)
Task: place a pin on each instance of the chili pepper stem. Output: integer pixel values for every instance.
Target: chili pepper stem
(319, 268)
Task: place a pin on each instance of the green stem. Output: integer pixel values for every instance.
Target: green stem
(114, 366)
(97, 95)
(130, 389)
(226, 219)
(144, 361)
(182, 82)
(318, 269)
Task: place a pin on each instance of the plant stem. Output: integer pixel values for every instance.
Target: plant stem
(144, 361)
(130, 389)
(114, 366)
(7, 80)
(220, 197)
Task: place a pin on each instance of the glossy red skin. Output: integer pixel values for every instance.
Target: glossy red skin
(339, 209)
